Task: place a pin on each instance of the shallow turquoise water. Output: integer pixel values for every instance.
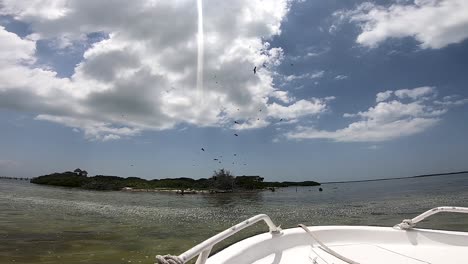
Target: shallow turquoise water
(40, 224)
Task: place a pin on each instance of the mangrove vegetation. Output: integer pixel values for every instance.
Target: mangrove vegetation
(222, 180)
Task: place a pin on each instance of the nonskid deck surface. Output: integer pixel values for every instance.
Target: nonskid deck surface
(364, 245)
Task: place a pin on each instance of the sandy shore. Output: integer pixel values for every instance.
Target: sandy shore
(185, 191)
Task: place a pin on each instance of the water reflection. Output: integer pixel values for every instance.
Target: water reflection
(245, 198)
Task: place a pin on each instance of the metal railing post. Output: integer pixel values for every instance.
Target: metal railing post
(410, 223)
(203, 249)
(204, 256)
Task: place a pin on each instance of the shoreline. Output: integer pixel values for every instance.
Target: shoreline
(193, 191)
(401, 178)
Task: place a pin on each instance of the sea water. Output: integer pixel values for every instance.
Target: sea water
(41, 224)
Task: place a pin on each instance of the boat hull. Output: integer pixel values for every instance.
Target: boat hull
(362, 244)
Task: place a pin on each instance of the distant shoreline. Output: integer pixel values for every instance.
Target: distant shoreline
(400, 178)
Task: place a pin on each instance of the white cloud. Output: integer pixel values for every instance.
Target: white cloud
(313, 75)
(283, 96)
(14, 49)
(452, 100)
(298, 109)
(110, 137)
(433, 23)
(416, 93)
(143, 76)
(93, 130)
(383, 96)
(251, 124)
(341, 77)
(385, 121)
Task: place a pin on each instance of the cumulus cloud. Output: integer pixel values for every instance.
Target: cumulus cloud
(142, 75)
(419, 93)
(433, 23)
(416, 93)
(383, 96)
(387, 120)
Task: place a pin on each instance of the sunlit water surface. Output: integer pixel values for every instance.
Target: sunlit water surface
(40, 224)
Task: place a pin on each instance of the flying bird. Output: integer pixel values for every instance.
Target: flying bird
(215, 159)
(281, 119)
(235, 154)
(202, 149)
(255, 70)
(235, 122)
(236, 135)
(169, 90)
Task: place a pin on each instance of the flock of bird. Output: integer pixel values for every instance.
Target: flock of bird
(219, 159)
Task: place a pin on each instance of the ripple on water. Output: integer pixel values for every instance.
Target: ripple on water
(58, 225)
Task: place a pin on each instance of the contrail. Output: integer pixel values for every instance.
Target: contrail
(200, 51)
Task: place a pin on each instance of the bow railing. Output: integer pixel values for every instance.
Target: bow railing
(410, 223)
(203, 249)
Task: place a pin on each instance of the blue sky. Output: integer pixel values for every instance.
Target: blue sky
(344, 90)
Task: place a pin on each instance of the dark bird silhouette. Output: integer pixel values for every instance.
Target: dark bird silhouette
(236, 135)
(202, 149)
(237, 109)
(235, 122)
(255, 70)
(169, 90)
(281, 119)
(260, 110)
(219, 161)
(320, 189)
(292, 64)
(215, 159)
(235, 154)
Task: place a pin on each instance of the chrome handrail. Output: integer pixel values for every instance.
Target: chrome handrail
(410, 223)
(203, 249)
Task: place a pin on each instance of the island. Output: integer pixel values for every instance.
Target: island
(221, 181)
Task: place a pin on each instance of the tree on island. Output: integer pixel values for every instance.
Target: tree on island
(223, 180)
(80, 172)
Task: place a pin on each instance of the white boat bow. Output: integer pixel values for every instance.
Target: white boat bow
(337, 244)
